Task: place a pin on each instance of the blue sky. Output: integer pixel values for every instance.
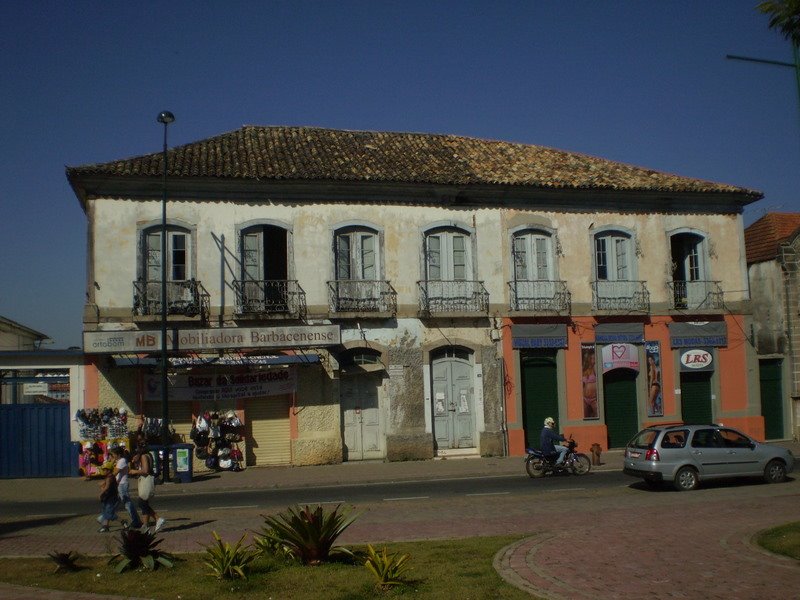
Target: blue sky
(645, 83)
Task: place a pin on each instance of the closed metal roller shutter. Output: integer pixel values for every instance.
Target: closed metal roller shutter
(267, 431)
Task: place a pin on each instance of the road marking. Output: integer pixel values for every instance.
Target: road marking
(51, 515)
(406, 498)
(566, 490)
(490, 494)
(231, 507)
(322, 502)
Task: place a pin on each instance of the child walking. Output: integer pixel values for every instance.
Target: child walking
(109, 498)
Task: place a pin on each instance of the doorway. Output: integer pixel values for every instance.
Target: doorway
(539, 392)
(621, 406)
(453, 399)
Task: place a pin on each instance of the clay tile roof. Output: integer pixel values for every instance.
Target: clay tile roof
(763, 238)
(310, 153)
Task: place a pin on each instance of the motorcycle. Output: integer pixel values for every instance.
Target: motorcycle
(538, 465)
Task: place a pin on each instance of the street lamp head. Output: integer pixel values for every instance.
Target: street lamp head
(165, 117)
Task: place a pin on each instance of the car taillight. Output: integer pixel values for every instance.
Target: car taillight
(652, 454)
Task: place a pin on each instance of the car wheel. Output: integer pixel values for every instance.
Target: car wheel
(534, 468)
(686, 479)
(775, 472)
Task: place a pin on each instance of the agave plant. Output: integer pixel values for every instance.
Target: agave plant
(388, 569)
(140, 549)
(307, 535)
(65, 561)
(229, 562)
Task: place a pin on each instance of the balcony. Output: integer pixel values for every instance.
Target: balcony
(620, 296)
(362, 296)
(540, 296)
(274, 297)
(695, 295)
(437, 297)
(184, 298)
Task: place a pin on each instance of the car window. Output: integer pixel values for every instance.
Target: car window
(705, 438)
(734, 439)
(644, 439)
(675, 439)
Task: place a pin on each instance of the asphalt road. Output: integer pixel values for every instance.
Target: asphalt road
(517, 488)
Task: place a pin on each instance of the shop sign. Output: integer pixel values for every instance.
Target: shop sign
(35, 389)
(620, 356)
(200, 387)
(305, 336)
(696, 359)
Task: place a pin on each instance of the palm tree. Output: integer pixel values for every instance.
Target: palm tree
(784, 15)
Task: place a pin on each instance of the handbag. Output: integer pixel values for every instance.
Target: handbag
(146, 486)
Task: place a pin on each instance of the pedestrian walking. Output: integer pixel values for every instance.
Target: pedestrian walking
(121, 469)
(109, 499)
(142, 467)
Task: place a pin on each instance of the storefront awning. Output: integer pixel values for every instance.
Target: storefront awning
(691, 335)
(539, 335)
(133, 360)
(619, 333)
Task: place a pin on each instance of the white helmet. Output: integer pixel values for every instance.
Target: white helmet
(549, 422)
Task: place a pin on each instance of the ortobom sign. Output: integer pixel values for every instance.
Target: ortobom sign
(114, 342)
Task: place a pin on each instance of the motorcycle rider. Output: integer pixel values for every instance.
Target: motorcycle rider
(548, 439)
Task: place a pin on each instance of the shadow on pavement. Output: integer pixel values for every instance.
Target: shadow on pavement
(9, 528)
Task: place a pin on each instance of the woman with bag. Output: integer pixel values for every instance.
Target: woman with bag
(143, 467)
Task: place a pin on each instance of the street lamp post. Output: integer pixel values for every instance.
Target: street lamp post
(165, 117)
(795, 65)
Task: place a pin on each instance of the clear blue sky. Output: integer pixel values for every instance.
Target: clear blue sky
(639, 82)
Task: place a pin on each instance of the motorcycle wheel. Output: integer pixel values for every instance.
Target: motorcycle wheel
(581, 464)
(534, 468)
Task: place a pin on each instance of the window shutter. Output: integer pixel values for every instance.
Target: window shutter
(368, 257)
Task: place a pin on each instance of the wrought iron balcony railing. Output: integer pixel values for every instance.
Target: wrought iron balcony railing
(540, 296)
(270, 297)
(622, 296)
(187, 298)
(696, 295)
(452, 296)
(362, 296)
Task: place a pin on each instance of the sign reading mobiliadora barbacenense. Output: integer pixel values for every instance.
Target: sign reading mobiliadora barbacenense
(308, 336)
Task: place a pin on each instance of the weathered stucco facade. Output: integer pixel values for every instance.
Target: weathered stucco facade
(773, 257)
(456, 286)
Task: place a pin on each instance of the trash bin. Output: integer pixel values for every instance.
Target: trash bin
(157, 454)
(182, 462)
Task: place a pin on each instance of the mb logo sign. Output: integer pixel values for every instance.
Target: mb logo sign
(146, 340)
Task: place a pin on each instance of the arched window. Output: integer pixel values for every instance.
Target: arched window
(612, 256)
(533, 256)
(357, 254)
(179, 267)
(448, 255)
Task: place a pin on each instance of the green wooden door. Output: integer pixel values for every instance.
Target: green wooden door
(696, 398)
(621, 412)
(539, 392)
(771, 398)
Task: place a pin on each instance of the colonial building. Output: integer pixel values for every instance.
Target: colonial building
(773, 262)
(365, 295)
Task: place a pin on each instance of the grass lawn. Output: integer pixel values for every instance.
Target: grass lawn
(784, 539)
(439, 569)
